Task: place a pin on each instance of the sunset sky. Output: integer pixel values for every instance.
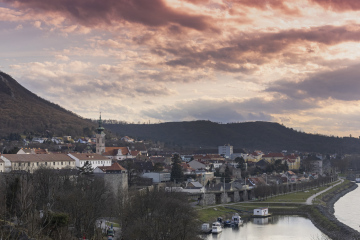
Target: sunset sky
(293, 62)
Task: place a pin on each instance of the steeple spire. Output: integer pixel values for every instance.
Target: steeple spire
(100, 129)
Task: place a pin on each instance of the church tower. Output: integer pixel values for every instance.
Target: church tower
(100, 138)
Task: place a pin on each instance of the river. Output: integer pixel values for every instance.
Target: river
(276, 227)
(347, 209)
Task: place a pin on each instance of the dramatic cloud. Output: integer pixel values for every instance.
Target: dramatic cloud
(108, 12)
(232, 110)
(294, 62)
(260, 48)
(342, 84)
(339, 5)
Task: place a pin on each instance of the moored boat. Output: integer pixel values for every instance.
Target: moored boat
(236, 220)
(216, 228)
(205, 228)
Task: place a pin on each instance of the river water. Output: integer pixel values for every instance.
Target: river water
(347, 209)
(276, 227)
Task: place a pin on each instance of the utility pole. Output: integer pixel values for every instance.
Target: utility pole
(224, 192)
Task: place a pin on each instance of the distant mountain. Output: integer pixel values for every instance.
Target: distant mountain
(22, 110)
(266, 136)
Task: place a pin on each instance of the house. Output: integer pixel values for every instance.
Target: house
(272, 157)
(226, 150)
(39, 140)
(195, 164)
(166, 161)
(67, 138)
(32, 162)
(2, 165)
(186, 168)
(143, 167)
(114, 168)
(127, 139)
(157, 177)
(261, 211)
(115, 177)
(96, 160)
(313, 164)
(235, 172)
(117, 153)
(187, 158)
(193, 187)
(293, 161)
(83, 140)
(32, 151)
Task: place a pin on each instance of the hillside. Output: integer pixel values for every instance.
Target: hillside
(22, 110)
(266, 136)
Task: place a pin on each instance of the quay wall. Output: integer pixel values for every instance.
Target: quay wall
(343, 231)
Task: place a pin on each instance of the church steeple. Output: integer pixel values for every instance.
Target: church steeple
(100, 129)
(100, 138)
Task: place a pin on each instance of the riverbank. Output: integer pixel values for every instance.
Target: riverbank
(332, 226)
(321, 214)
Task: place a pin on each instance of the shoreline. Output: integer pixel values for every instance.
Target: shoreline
(333, 228)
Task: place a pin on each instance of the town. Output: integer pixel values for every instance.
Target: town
(137, 167)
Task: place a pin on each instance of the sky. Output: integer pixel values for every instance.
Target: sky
(294, 62)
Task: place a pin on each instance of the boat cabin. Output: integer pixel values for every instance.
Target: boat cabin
(261, 211)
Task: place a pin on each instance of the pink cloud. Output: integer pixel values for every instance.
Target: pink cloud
(91, 13)
(339, 5)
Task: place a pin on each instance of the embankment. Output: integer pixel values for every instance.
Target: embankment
(323, 216)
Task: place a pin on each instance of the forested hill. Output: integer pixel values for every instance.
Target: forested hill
(22, 110)
(249, 135)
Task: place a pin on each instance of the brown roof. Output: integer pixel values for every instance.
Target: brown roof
(89, 156)
(134, 153)
(112, 151)
(114, 167)
(37, 157)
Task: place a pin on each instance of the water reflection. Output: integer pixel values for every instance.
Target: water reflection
(275, 227)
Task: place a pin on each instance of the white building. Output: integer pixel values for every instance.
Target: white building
(96, 160)
(226, 150)
(261, 211)
(158, 177)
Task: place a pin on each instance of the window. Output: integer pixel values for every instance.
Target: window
(28, 164)
(46, 163)
(69, 163)
(62, 163)
(54, 163)
(37, 164)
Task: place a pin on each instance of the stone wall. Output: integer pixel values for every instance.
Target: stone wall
(118, 183)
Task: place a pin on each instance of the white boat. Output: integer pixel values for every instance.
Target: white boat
(205, 228)
(216, 227)
(236, 220)
(357, 179)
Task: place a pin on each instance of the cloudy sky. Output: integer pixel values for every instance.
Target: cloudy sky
(295, 62)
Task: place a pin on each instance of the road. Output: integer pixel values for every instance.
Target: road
(310, 199)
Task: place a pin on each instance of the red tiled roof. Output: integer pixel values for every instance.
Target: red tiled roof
(114, 167)
(112, 151)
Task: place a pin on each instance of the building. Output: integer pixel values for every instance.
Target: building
(2, 166)
(117, 153)
(261, 212)
(32, 151)
(32, 162)
(226, 150)
(96, 160)
(272, 157)
(115, 177)
(157, 177)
